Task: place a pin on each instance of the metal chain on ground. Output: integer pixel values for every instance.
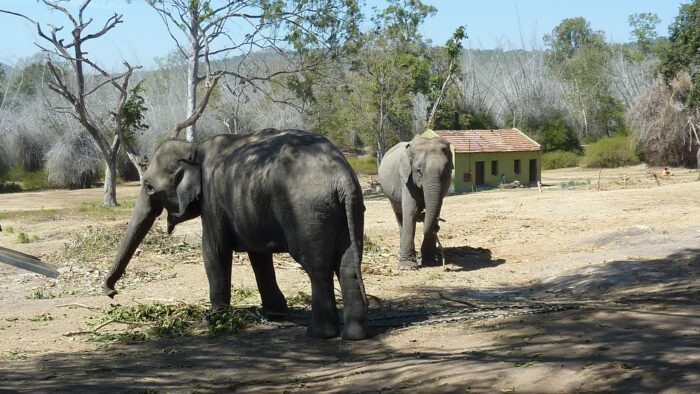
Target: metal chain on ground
(426, 316)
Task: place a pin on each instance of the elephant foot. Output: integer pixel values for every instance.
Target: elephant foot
(275, 309)
(323, 331)
(355, 331)
(431, 260)
(408, 265)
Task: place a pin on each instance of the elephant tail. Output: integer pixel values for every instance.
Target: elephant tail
(355, 213)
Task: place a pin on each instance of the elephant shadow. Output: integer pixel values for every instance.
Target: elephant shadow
(470, 259)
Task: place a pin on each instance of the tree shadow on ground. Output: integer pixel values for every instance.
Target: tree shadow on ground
(470, 259)
(640, 333)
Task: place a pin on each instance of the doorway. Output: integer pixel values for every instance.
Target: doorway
(479, 173)
(533, 170)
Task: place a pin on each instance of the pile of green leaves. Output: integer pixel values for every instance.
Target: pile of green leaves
(157, 320)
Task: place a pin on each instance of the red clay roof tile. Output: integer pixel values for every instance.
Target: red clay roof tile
(496, 140)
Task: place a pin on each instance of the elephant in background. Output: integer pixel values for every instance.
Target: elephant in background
(267, 192)
(416, 176)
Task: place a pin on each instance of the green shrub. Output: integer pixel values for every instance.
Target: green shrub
(559, 159)
(610, 152)
(10, 188)
(363, 164)
(30, 180)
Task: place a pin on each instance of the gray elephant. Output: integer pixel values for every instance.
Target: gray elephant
(416, 176)
(268, 192)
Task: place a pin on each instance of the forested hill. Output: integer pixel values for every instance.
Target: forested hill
(631, 102)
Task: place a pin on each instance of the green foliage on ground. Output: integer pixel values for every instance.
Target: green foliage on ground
(560, 159)
(29, 180)
(610, 152)
(157, 320)
(363, 164)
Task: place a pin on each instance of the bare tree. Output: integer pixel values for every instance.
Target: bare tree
(304, 34)
(77, 93)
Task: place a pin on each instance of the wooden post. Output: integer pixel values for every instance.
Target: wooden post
(624, 179)
(599, 172)
(656, 178)
(539, 186)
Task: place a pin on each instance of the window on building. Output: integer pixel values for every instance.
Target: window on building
(494, 167)
(516, 166)
(468, 177)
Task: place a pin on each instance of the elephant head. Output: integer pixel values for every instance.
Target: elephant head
(173, 182)
(427, 169)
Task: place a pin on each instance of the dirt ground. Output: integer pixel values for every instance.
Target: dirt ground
(621, 244)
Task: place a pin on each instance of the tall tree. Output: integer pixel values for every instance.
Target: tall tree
(303, 34)
(68, 51)
(580, 56)
(682, 54)
(643, 26)
(395, 64)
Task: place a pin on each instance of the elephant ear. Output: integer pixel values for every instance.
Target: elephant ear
(188, 180)
(405, 164)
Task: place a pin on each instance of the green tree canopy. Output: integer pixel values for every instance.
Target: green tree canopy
(683, 52)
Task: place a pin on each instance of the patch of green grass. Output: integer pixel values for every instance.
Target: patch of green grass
(42, 317)
(240, 295)
(95, 206)
(41, 293)
(300, 299)
(9, 229)
(370, 246)
(16, 354)
(363, 164)
(29, 180)
(25, 238)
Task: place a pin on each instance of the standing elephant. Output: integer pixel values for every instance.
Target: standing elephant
(262, 193)
(416, 176)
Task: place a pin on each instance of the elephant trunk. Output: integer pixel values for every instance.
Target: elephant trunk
(432, 193)
(142, 219)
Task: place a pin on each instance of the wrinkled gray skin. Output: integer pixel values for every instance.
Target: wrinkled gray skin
(416, 176)
(267, 192)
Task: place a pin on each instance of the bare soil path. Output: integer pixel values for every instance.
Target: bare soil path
(627, 254)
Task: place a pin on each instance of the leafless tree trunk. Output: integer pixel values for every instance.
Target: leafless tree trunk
(77, 93)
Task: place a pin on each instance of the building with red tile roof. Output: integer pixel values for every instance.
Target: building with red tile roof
(487, 158)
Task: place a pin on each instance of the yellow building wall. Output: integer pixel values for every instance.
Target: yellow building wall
(466, 163)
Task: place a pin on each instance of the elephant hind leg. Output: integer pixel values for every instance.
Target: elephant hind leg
(273, 300)
(354, 308)
(324, 313)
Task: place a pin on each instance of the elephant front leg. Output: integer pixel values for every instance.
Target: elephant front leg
(272, 298)
(430, 255)
(217, 263)
(407, 250)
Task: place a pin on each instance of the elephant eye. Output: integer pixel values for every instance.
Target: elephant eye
(149, 188)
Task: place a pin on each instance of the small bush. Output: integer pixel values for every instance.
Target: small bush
(559, 159)
(74, 161)
(10, 188)
(363, 164)
(610, 152)
(30, 180)
(25, 238)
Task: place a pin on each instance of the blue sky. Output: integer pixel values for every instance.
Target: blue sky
(490, 23)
